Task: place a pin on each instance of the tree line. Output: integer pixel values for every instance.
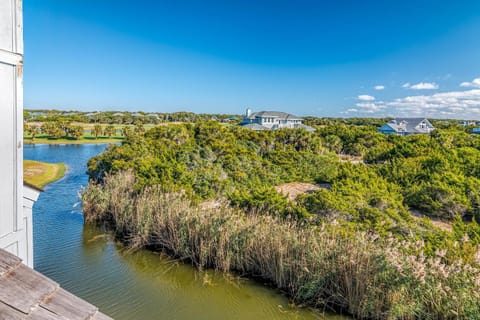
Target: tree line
(66, 130)
(124, 117)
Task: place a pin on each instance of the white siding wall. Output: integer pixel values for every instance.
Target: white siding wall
(14, 223)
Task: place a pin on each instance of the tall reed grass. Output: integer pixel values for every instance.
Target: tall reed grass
(324, 267)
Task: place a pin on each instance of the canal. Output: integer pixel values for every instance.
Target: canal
(134, 285)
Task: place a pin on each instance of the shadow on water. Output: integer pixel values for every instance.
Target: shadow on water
(134, 285)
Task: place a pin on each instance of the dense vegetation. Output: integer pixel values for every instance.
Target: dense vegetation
(359, 227)
(65, 130)
(438, 174)
(122, 117)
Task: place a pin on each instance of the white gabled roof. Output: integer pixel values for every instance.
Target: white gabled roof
(273, 114)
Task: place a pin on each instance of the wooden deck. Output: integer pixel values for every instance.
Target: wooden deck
(27, 294)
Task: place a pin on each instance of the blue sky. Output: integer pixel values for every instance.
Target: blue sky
(321, 58)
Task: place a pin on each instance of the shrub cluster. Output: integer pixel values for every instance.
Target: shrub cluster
(324, 266)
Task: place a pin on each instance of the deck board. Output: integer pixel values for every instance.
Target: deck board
(8, 262)
(24, 288)
(8, 313)
(65, 304)
(101, 316)
(27, 294)
(43, 314)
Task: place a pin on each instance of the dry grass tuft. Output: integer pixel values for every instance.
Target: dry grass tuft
(323, 266)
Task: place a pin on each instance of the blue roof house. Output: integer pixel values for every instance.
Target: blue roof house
(407, 126)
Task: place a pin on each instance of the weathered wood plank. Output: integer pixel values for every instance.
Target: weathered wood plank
(65, 304)
(24, 288)
(8, 313)
(8, 262)
(41, 314)
(101, 316)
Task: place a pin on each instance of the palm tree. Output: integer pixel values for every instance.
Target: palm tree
(109, 131)
(32, 130)
(97, 130)
(139, 128)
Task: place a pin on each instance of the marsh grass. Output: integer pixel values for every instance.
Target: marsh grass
(321, 266)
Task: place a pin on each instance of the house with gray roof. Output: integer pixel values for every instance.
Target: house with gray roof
(407, 126)
(272, 120)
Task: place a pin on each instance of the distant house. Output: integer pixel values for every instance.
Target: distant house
(407, 126)
(468, 123)
(272, 120)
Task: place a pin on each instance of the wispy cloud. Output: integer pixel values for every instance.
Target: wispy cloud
(474, 84)
(379, 87)
(422, 86)
(460, 103)
(444, 77)
(369, 107)
(367, 104)
(452, 104)
(365, 97)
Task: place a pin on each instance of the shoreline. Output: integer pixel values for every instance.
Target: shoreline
(41, 174)
(67, 141)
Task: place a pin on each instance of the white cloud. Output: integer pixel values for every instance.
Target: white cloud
(474, 84)
(444, 77)
(458, 104)
(380, 87)
(424, 86)
(370, 107)
(452, 104)
(365, 97)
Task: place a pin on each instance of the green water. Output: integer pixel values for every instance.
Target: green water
(134, 285)
(168, 289)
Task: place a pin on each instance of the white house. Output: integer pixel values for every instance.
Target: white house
(15, 201)
(272, 120)
(24, 293)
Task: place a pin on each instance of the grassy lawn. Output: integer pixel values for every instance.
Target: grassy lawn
(85, 139)
(87, 134)
(40, 174)
(89, 126)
